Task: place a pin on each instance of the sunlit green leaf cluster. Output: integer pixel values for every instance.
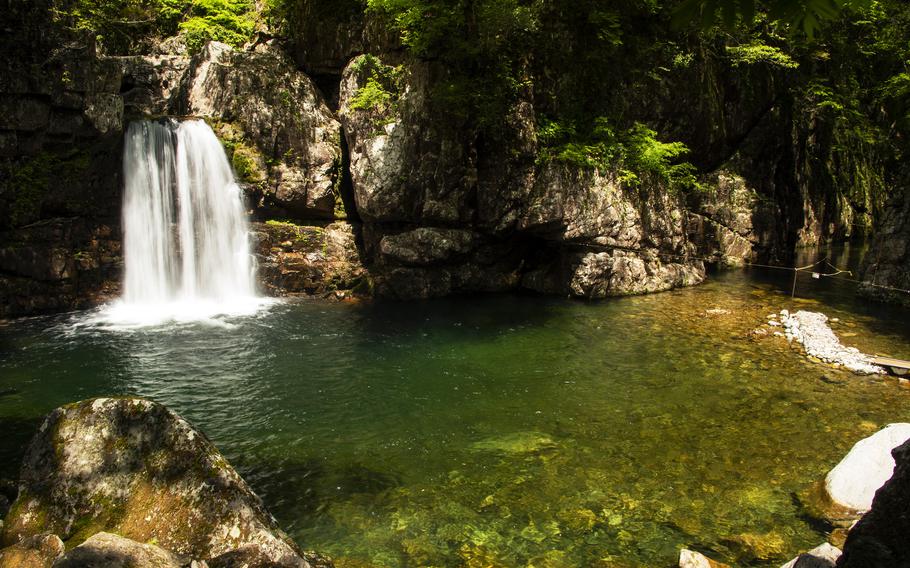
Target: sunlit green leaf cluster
(633, 153)
(128, 26)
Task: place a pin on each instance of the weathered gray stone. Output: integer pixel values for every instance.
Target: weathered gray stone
(308, 259)
(57, 264)
(691, 559)
(442, 210)
(105, 112)
(887, 263)
(822, 556)
(133, 467)
(149, 83)
(38, 551)
(105, 550)
(23, 113)
(280, 113)
(722, 223)
(246, 556)
(427, 245)
(404, 166)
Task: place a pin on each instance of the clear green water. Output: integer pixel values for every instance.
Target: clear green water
(502, 430)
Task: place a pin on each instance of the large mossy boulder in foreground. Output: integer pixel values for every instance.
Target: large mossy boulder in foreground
(132, 467)
(882, 537)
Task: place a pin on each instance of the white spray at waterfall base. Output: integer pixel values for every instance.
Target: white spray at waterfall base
(186, 242)
(818, 339)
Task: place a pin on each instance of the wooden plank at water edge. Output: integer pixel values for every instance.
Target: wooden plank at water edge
(896, 366)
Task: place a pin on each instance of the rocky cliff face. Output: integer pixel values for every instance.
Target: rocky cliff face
(887, 269)
(418, 201)
(60, 124)
(60, 144)
(443, 213)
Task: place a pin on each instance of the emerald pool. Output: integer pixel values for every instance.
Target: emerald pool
(500, 430)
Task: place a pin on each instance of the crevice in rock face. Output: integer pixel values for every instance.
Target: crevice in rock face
(346, 185)
(346, 192)
(329, 86)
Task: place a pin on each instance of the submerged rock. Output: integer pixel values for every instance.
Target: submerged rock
(516, 443)
(111, 551)
(692, 559)
(882, 536)
(853, 482)
(750, 547)
(38, 551)
(822, 556)
(133, 467)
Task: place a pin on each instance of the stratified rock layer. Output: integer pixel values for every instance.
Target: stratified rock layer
(133, 467)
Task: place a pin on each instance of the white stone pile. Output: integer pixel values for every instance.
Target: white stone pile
(812, 330)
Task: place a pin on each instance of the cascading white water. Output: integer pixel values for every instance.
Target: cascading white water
(148, 213)
(186, 237)
(214, 234)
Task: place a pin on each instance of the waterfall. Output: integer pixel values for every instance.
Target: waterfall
(186, 237)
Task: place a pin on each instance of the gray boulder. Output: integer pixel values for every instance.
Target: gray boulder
(38, 551)
(133, 467)
(822, 556)
(105, 550)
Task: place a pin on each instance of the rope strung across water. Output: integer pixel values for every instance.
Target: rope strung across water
(795, 269)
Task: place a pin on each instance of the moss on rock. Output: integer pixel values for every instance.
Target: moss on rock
(133, 467)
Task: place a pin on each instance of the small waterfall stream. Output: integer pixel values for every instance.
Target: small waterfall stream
(186, 236)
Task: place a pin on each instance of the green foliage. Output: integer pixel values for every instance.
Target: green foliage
(383, 84)
(127, 26)
(372, 96)
(757, 52)
(805, 15)
(644, 153)
(479, 41)
(633, 153)
(228, 21)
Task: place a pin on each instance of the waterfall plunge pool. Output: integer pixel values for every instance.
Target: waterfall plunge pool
(501, 430)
